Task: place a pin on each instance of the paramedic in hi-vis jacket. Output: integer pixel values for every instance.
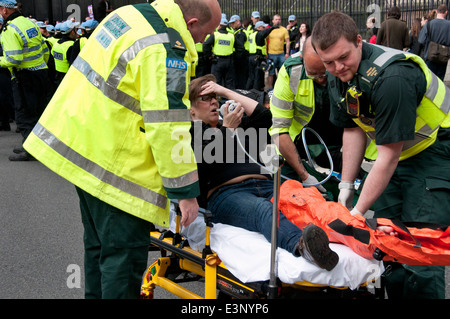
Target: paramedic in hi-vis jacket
(393, 98)
(114, 129)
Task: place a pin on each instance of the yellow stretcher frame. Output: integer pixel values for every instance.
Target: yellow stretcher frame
(178, 259)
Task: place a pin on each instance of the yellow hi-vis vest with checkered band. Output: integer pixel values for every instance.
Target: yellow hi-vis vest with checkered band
(432, 112)
(292, 103)
(223, 44)
(59, 52)
(118, 125)
(23, 45)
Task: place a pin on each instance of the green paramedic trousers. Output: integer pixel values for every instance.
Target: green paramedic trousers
(116, 250)
(419, 191)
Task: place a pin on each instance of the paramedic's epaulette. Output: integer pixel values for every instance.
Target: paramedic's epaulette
(368, 74)
(292, 61)
(176, 42)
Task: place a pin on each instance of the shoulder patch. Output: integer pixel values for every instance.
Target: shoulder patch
(176, 42)
(176, 64)
(116, 26)
(32, 32)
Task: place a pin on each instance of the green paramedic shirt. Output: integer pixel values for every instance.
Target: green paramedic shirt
(393, 102)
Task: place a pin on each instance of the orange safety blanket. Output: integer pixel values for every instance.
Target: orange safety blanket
(413, 246)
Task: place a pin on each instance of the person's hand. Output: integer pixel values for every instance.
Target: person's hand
(234, 118)
(212, 87)
(387, 230)
(311, 180)
(189, 210)
(346, 193)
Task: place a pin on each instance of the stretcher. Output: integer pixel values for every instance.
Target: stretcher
(235, 263)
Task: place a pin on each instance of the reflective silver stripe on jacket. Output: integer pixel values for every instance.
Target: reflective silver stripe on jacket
(294, 79)
(181, 181)
(282, 104)
(172, 115)
(109, 87)
(98, 171)
(281, 122)
(432, 90)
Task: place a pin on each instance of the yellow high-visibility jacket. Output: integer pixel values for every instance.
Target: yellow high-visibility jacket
(118, 125)
(23, 45)
(293, 103)
(59, 52)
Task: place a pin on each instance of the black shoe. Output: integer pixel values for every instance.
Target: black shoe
(21, 157)
(18, 150)
(314, 247)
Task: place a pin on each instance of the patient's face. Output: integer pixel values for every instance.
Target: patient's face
(206, 109)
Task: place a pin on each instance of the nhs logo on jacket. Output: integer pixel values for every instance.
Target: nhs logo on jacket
(176, 64)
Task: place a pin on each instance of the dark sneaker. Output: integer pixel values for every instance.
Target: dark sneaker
(314, 247)
(21, 157)
(18, 149)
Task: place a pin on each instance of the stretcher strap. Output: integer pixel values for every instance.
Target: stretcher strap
(348, 230)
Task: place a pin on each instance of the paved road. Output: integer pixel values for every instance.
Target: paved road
(41, 249)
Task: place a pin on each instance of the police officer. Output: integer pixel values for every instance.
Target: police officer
(86, 28)
(24, 53)
(204, 63)
(62, 49)
(257, 56)
(240, 56)
(110, 129)
(6, 98)
(219, 47)
(394, 99)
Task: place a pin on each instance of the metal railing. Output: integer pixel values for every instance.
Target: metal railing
(310, 11)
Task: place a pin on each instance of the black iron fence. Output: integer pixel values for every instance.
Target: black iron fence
(58, 10)
(310, 11)
(305, 10)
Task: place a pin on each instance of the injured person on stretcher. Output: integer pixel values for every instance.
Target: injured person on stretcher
(235, 189)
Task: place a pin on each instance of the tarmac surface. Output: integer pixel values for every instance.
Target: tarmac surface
(41, 248)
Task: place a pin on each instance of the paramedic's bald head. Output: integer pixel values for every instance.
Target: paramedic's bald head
(201, 16)
(313, 64)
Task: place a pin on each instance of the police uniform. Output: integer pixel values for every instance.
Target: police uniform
(256, 57)
(88, 27)
(118, 128)
(220, 45)
(24, 52)
(62, 50)
(394, 97)
(240, 56)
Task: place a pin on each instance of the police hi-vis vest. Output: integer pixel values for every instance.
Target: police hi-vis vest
(253, 47)
(118, 125)
(292, 103)
(432, 112)
(23, 45)
(59, 52)
(223, 44)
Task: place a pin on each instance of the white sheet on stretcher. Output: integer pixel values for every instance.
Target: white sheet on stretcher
(247, 255)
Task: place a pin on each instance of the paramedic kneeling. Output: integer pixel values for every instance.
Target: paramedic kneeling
(235, 189)
(409, 180)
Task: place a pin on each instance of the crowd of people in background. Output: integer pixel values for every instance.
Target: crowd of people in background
(60, 45)
(260, 45)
